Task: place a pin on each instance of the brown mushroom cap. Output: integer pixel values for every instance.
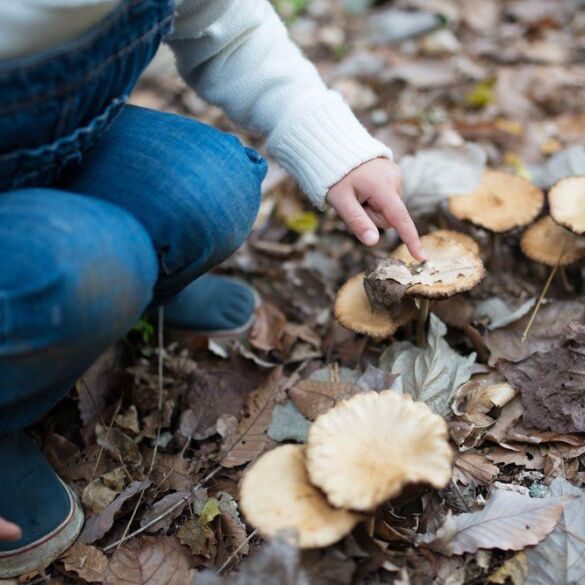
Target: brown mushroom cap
(549, 243)
(276, 496)
(354, 311)
(366, 449)
(567, 203)
(500, 203)
(451, 268)
(460, 237)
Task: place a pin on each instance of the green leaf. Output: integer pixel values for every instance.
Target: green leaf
(431, 375)
(210, 511)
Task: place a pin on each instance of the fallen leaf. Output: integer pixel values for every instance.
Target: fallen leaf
(199, 537)
(86, 561)
(250, 437)
(527, 456)
(495, 313)
(559, 558)
(288, 424)
(472, 467)
(150, 560)
(551, 321)
(552, 384)
(118, 444)
(232, 524)
(96, 527)
(515, 569)
(268, 328)
(566, 163)
(481, 394)
(509, 521)
(211, 394)
(313, 398)
(163, 505)
(278, 563)
(432, 175)
(431, 375)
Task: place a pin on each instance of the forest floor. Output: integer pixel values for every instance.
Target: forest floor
(156, 442)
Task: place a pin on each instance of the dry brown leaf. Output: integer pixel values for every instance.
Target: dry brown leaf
(509, 521)
(312, 397)
(97, 526)
(86, 561)
(161, 506)
(527, 456)
(199, 537)
(473, 467)
(268, 328)
(552, 384)
(150, 560)
(476, 398)
(118, 444)
(250, 438)
(514, 569)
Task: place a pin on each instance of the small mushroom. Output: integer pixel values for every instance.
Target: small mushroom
(367, 448)
(355, 312)
(567, 203)
(453, 266)
(549, 243)
(276, 497)
(500, 203)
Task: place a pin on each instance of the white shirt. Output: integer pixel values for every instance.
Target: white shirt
(235, 54)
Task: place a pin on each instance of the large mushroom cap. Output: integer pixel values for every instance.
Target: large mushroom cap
(354, 311)
(550, 243)
(276, 496)
(500, 203)
(451, 268)
(366, 449)
(567, 203)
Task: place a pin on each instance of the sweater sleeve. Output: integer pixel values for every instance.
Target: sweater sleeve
(237, 54)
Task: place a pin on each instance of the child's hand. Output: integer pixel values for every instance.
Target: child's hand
(369, 196)
(9, 531)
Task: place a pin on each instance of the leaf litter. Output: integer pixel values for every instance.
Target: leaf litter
(455, 88)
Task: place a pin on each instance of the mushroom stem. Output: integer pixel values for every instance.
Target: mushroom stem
(421, 325)
(371, 526)
(565, 280)
(496, 251)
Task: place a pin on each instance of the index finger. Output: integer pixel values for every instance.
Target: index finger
(398, 217)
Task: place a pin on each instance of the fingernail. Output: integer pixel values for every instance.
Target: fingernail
(370, 237)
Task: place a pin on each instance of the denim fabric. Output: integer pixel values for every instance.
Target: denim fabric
(104, 208)
(54, 106)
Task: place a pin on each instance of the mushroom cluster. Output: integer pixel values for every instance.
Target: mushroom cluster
(380, 301)
(359, 454)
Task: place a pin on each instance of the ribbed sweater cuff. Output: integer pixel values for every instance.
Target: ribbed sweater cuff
(318, 146)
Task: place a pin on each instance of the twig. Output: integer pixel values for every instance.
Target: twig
(159, 418)
(164, 514)
(543, 294)
(234, 554)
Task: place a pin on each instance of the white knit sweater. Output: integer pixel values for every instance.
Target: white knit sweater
(235, 54)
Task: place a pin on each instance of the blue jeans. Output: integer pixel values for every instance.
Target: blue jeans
(105, 209)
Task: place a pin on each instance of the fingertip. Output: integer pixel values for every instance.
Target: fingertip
(370, 237)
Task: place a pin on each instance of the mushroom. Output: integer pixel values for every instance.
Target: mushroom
(452, 266)
(276, 496)
(367, 448)
(500, 203)
(355, 312)
(567, 203)
(549, 243)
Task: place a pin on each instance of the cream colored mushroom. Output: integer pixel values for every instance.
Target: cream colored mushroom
(567, 203)
(277, 498)
(500, 203)
(366, 449)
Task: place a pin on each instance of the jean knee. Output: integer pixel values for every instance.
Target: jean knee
(93, 270)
